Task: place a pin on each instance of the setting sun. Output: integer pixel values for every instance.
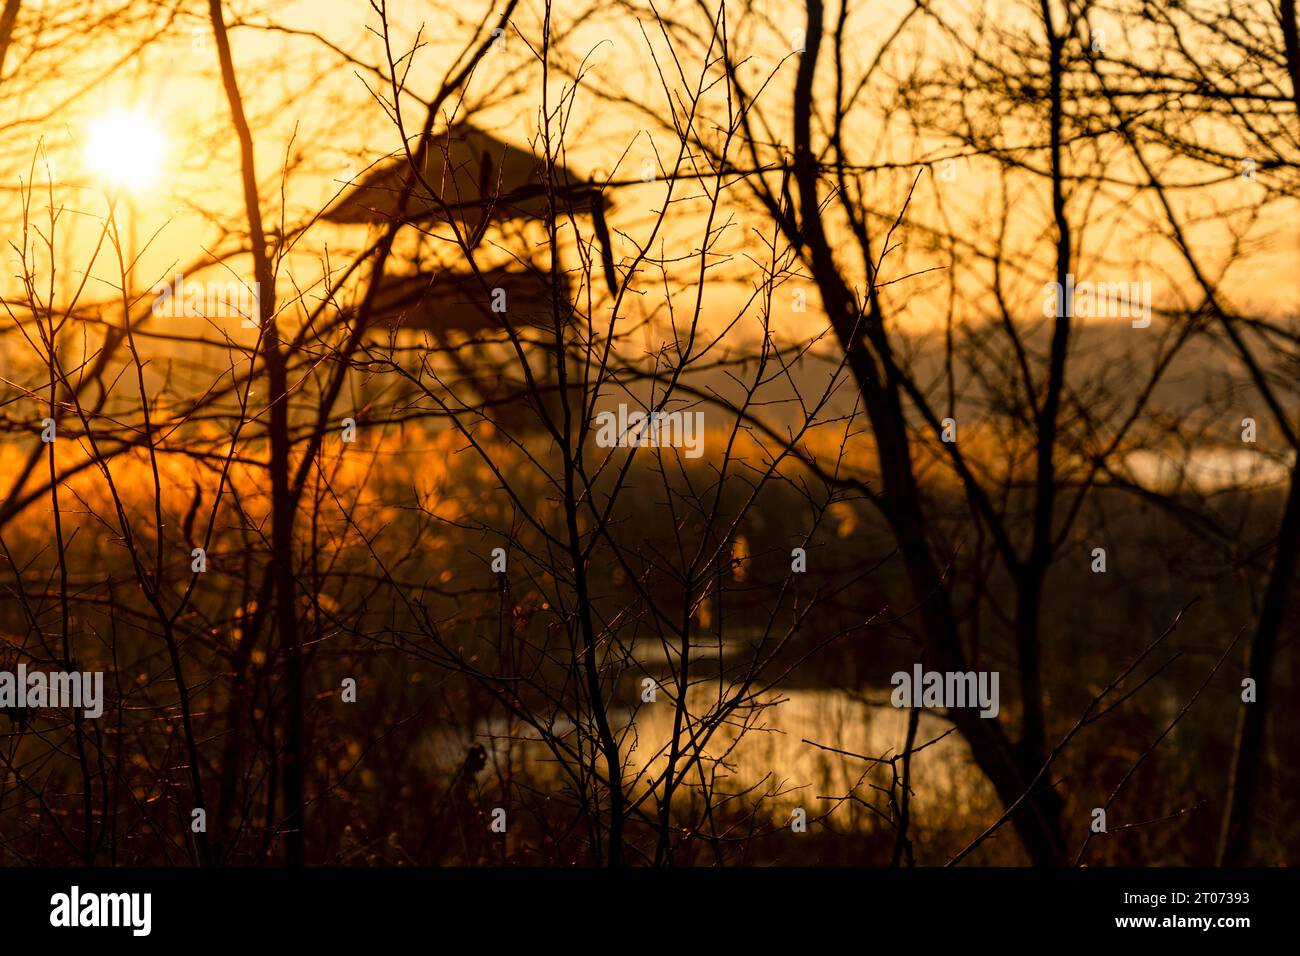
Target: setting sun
(125, 149)
(844, 454)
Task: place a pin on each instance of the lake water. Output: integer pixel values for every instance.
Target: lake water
(772, 755)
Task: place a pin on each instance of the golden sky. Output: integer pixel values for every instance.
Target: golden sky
(316, 115)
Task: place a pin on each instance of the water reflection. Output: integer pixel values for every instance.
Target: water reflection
(771, 756)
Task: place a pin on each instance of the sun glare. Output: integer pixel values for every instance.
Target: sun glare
(125, 149)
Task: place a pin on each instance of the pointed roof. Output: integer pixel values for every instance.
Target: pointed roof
(471, 172)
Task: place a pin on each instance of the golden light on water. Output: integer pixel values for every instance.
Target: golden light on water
(125, 148)
(959, 331)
